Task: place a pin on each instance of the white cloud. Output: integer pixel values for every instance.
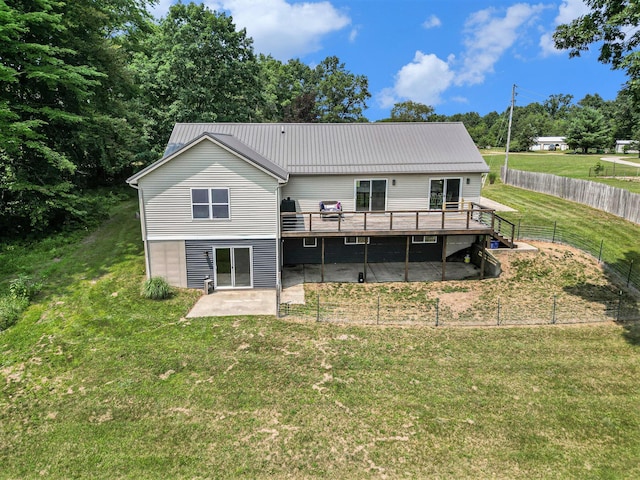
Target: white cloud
(489, 36)
(353, 35)
(423, 80)
(568, 11)
(282, 29)
(432, 22)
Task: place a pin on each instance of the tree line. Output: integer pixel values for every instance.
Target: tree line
(91, 90)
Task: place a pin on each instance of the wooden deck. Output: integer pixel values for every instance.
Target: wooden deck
(464, 221)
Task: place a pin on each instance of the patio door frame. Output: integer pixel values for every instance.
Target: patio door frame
(370, 193)
(445, 181)
(232, 259)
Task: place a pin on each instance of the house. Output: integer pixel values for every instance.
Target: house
(543, 144)
(626, 146)
(236, 202)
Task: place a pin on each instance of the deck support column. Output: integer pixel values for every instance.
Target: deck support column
(444, 257)
(483, 253)
(322, 262)
(406, 261)
(366, 252)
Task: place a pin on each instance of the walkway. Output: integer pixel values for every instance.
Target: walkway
(619, 161)
(223, 303)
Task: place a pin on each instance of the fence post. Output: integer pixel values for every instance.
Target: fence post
(600, 254)
(555, 225)
(437, 311)
(629, 275)
(619, 306)
(553, 315)
(318, 309)
(378, 317)
(498, 310)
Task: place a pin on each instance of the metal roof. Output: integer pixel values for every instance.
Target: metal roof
(339, 148)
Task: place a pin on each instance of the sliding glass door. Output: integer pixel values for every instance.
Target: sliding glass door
(371, 195)
(444, 193)
(232, 267)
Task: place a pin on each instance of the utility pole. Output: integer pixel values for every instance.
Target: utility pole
(513, 100)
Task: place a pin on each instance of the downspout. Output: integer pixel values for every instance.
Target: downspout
(143, 229)
(278, 238)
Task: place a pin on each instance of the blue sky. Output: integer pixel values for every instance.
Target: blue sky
(455, 55)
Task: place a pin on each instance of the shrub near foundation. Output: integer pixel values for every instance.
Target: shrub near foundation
(156, 288)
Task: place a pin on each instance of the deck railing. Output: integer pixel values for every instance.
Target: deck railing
(458, 217)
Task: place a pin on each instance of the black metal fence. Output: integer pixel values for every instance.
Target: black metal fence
(626, 272)
(552, 311)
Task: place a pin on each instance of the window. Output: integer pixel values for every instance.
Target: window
(424, 239)
(210, 203)
(309, 242)
(371, 195)
(356, 240)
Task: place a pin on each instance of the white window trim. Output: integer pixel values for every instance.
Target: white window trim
(314, 245)
(355, 193)
(425, 239)
(210, 203)
(359, 240)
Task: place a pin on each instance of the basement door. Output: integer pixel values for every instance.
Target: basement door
(232, 267)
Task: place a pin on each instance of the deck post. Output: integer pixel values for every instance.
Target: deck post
(483, 253)
(444, 257)
(322, 263)
(406, 261)
(366, 251)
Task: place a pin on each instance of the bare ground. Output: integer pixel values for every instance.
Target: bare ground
(556, 284)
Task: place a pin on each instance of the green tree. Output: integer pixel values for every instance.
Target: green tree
(558, 106)
(341, 95)
(612, 26)
(196, 67)
(56, 62)
(588, 129)
(410, 111)
(289, 91)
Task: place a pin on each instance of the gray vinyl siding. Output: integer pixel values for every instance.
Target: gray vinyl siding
(409, 193)
(264, 260)
(167, 195)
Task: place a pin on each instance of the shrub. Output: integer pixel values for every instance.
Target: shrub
(156, 288)
(24, 287)
(598, 169)
(10, 310)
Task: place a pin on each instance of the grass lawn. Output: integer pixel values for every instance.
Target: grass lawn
(574, 166)
(97, 382)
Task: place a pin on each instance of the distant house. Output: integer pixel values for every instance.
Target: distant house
(549, 144)
(235, 202)
(626, 146)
